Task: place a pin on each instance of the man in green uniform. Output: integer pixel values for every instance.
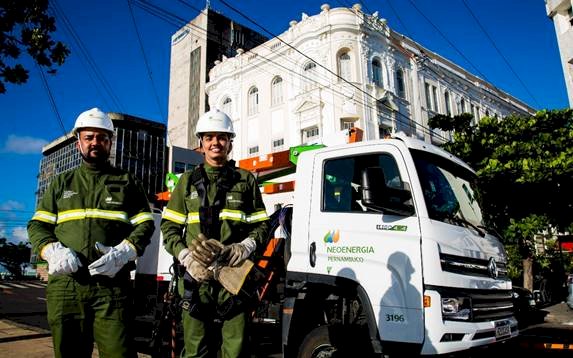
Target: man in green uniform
(222, 203)
(90, 226)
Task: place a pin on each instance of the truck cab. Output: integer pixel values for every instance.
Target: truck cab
(388, 239)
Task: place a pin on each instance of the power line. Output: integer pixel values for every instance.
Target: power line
(15, 211)
(408, 121)
(447, 40)
(399, 19)
(146, 62)
(317, 63)
(499, 52)
(169, 17)
(52, 101)
(92, 64)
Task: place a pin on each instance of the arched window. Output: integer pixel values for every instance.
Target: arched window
(344, 70)
(227, 106)
(400, 87)
(462, 106)
(309, 75)
(253, 105)
(377, 73)
(277, 91)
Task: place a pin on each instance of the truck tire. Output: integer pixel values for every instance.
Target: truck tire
(324, 342)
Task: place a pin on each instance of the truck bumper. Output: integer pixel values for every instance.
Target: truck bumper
(450, 336)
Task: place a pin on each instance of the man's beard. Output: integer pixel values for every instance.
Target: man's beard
(97, 160)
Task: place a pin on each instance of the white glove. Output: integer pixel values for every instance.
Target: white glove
(239, 252)
(196, 269)
(114, 258)
(61, 260)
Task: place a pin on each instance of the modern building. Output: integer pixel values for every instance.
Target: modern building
(195, 48)
(343, 68)
(561, 12)
(138, 146)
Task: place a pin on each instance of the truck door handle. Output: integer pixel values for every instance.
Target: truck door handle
(312, 254)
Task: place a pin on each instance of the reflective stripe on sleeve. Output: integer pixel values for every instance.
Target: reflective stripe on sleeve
(45, 216)
(237, 215)
(174, 216)
(141, 217)
(193, 218)
(234, 215)
(80, 214)
(225, 214)
(257, 216)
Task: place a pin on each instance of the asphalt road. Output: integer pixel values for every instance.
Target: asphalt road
(24, 331)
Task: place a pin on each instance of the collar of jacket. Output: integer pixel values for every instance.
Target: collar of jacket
(94, 169)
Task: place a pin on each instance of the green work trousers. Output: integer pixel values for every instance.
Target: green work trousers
(204, 337)
(81, 311)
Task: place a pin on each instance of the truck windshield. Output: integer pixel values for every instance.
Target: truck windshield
(450, 191)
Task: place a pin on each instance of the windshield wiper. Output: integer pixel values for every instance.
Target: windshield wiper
(490, 229)
(463, 222)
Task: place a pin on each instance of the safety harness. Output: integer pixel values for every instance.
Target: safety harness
(210, 226)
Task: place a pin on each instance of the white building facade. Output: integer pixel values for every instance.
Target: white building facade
(561, 12)
(338, 69)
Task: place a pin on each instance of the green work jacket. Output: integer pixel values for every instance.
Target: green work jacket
(85, 206)
(242, 215)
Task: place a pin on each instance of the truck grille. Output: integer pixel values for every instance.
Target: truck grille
(486, 305)
(473, 267)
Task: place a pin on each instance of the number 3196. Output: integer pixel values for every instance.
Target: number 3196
(394, 317)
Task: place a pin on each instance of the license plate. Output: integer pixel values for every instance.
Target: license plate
(502, 331)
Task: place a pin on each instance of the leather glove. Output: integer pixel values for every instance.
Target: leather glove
(61, 260)
(196, 269)
(238, 252)
(204, 250)
(114, 258)
(185, 258)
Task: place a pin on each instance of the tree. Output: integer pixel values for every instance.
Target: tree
(525, 168)
(12, 256)
(26, 26)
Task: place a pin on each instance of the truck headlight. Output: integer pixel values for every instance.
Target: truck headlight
(456, 308)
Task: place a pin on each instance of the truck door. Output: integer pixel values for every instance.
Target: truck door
(378, 249)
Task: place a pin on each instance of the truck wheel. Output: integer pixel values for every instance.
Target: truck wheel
(323, 342)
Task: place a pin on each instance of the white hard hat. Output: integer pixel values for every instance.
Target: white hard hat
(214, 121)
(93, 118)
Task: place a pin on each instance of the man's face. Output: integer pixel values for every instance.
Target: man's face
(216, 147)
(94, 145)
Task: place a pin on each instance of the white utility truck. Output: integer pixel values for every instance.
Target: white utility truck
(383, 250)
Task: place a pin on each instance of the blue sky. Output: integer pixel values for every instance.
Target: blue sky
(520, 29)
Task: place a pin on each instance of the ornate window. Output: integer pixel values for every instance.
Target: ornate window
(309, 75)
(253, 105)
(344, 69)
(448, 104)
(377, 73)
(277, 91)
(310, 134)
(227, 105)
(400, 86)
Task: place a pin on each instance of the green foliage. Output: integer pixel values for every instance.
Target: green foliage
(525, 168)
(514, 265)
(12, 256)
(522, 232)
(26, 26)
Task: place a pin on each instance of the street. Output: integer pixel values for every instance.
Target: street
(24, 331)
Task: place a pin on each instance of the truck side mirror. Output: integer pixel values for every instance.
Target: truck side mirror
(378, 196)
